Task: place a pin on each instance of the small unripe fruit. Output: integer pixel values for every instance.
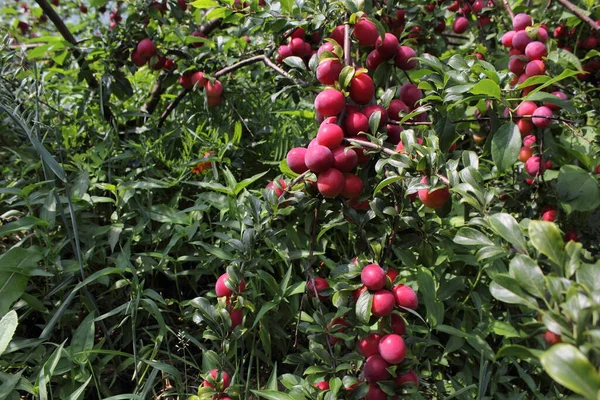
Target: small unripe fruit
(405, 297)
(526, 108)
(507, 38)
(330, 183)
(536, 50)
(330, 136)
(353, 186)
(222, 376)
(403, 58)
(435, 199)
(410, 94)
(329, 71)
(375, 393)
(222, 290)
(366, 32)
(362, 89)
(323, 385)
(373, 108)
(525, 154)
(318, 158)
(521, 21)
(145, 48)
(571, 236)
(383, 303)
(214, 89)
(551, 338)
(369, 346)
(396, 107)
(199, 80)
(535, 67)
(237, 317)
(392, 348)
(295, 160)
(521, 40)
(374, 59)
(534, 166)
(330, 102)
(409, 377)
(355, 122)
(375, 369)
(525, 126)
(344, 159)
(320, 284)
(397, 324)
(539, 117)
(373, 277)
(460, 25)
(388, 47)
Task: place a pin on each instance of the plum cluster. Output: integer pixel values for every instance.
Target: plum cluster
(384, 350)
(300, 45)
(527, 53)
(196, 79)
(580, 43)
(480, 9)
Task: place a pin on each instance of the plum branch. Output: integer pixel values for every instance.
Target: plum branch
(252, 60)
(68, 36)
(158, 89)
(581, 15)
(508, 9)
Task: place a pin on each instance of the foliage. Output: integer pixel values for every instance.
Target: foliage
(124, 197)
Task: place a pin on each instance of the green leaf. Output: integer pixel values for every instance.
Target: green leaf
(346, 76)
(215, 251)
(9, 385)
(272, 395)
(518, 351)
(506, 144)
(546, 238)
(15, 267)
(287, 5)
(204, 3)
(508, 228)
(246, 182)
(83, 339)
(387, 182)
(363, 307)
(295, 62)
(487, 87)
(505, 288)
(435, 308)
(528, 274)
(569, 367)
(446, 131)
(8, 325)
(471, 237)
(577, 188)
(79, 391)
(22, 224)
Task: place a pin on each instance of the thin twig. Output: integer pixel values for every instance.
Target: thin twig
(580, 14)
(66, 33)
(347, 43)
(508, 9)
(252, 60)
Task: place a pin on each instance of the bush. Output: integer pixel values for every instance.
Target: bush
(173, 226)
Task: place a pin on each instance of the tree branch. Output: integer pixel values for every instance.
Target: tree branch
(508, 9)
(580, 14)
(65, 33)
(347, 43)
(157, 90)
(252, 60)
